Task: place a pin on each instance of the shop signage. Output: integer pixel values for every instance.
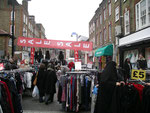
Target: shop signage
(138, 74)
(1, 66)
(77, 65)
(32, 55)
(76, 55)
(45, 43)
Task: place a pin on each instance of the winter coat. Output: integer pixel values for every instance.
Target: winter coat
(142, 64)
(127, 67)
(50, 81)
(40, 81)
(106, 88)
(70, 65)
(126, 99)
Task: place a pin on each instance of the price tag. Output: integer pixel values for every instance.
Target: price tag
(138, 74)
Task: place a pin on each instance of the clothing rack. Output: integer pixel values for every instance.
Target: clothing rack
(17, 70)
(94, 70)
(78, 72)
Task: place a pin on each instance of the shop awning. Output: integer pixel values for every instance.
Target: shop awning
(105, 51)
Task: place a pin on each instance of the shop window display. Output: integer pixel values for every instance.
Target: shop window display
(133, 56)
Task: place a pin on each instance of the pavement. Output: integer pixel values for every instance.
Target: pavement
(32, 105)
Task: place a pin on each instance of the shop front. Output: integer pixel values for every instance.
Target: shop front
(104, 55)
(133, 45)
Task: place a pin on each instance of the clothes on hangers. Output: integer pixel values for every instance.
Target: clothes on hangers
(6, 101)
(146, 100)
(1, 111)
(75, 90)
(11, 89)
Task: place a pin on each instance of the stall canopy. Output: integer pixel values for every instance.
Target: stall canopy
(105, 51)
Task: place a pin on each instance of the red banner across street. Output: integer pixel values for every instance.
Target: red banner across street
(45, 43)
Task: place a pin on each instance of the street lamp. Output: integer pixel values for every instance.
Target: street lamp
(12, 36)
(77, 36)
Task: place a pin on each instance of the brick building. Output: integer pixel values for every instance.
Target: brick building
(125, 25)
(24, 24)
(5, 47)
(136, 28)
(101, 28)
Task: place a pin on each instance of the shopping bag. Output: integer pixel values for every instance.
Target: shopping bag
(35, 92)
(35, 80)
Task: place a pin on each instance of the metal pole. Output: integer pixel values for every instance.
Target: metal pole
(13, 17)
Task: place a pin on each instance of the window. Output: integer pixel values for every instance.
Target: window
(10, 42)
(12, 15)
(137, 17)
(104, 14)
(96, 40)
(24, 18)
(109, 8)
(105, 36)
(93, 26)
(24, 32)
(109, 27)
(101, 38)
(93, 42)
(117, 14)
(101, 19)
(97, 22)
(142, 14)
(126, 22)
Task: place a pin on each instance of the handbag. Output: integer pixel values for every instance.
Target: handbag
(35, 80)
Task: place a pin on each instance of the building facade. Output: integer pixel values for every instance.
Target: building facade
(5, 47)
(24, 24)
(101, 29)
(136, 38)
(125, 25)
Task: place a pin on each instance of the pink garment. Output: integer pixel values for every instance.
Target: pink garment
(63, 99)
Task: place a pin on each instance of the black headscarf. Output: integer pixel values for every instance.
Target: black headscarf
(110, 73)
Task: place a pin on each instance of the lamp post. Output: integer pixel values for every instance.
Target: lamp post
(13, 17)
(77, 36)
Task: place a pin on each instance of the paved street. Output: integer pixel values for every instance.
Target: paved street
(31, 105)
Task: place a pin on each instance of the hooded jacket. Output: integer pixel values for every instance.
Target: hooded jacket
(107, 84)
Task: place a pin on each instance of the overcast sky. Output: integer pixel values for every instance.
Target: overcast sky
(62, 17)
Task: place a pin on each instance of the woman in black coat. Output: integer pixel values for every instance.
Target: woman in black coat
(50, 81)
(127, 67)
(41, 81)
(107, 83)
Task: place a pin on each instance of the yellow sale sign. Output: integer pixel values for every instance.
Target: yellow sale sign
(138, 74)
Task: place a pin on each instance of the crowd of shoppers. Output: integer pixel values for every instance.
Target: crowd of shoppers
(47, 77)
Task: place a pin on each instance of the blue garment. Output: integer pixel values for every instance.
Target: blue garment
(95, 90)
